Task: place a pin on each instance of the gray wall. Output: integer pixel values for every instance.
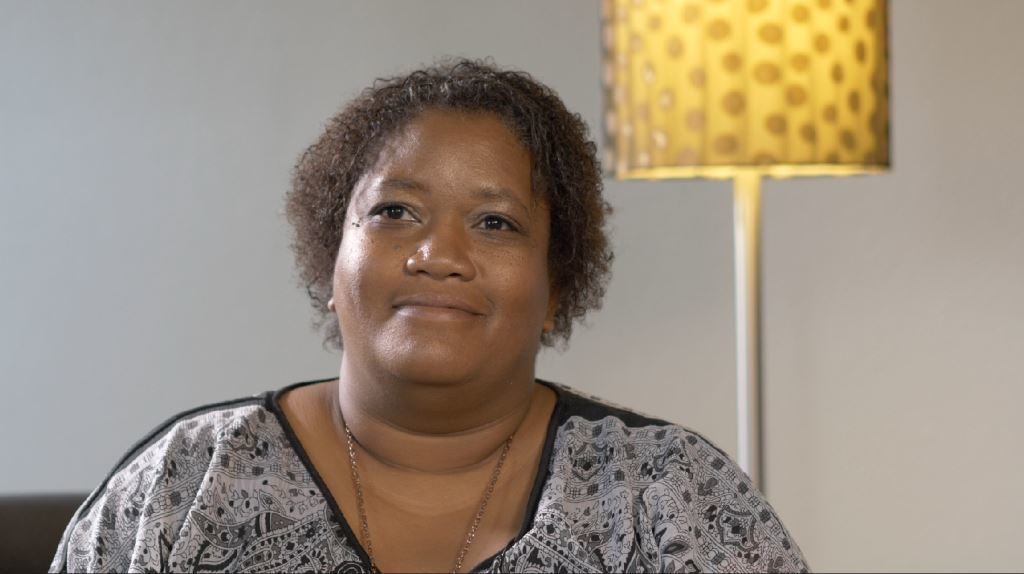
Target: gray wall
(145, 149)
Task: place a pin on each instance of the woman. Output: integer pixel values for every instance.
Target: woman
(447, 224)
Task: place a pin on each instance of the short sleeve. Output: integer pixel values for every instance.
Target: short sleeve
(130, 523)
(706, 515)
(101, 536)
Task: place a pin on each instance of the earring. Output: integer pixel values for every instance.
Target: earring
(330, 304)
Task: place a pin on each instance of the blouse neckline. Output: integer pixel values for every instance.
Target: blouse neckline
(272, 403)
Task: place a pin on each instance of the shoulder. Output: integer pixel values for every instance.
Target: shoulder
(143, 501)
(595, 430)
(689, 504)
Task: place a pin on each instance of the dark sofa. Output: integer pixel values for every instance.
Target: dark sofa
(31, 527)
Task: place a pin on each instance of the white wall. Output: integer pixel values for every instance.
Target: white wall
(145, 149)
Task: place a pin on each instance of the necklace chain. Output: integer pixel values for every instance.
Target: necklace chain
(364, 525)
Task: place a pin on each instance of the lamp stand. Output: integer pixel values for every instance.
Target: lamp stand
(747, 245)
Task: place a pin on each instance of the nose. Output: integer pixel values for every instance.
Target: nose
(442, 253)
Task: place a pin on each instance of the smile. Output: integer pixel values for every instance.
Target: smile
(438, 306)
(434, 313)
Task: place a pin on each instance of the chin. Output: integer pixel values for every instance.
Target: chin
(434, 360)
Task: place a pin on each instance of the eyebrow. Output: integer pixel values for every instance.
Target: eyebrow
(401, 183)
(485, 192)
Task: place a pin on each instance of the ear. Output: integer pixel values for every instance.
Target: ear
(549, 319)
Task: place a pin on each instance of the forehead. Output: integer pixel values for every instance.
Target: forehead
(456, 127)
(450, 147)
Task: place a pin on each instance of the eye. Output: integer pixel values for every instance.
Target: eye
(392, 211)
(497, 223)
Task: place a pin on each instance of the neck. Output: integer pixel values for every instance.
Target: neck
(430, 428)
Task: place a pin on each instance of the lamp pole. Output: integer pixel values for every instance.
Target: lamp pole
(747, 246)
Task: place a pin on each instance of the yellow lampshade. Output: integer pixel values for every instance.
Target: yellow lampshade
(710, 88)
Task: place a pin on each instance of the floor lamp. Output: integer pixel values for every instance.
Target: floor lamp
(742, 90)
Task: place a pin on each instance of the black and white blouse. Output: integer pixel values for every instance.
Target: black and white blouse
(227, 487)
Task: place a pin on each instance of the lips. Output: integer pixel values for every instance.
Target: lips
(438, 301)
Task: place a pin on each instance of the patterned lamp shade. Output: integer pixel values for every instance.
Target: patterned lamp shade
(710, 88)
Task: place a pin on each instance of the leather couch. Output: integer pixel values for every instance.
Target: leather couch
(31, 527)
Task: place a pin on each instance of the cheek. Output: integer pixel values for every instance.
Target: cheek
(527, 286)
(354, 278)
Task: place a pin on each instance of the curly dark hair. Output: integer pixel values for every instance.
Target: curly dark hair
(564, 162)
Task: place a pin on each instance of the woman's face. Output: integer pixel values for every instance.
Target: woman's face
(442, 272)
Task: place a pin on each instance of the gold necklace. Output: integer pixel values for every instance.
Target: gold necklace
(470, 536)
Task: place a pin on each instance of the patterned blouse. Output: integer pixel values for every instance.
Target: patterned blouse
(228, 487)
